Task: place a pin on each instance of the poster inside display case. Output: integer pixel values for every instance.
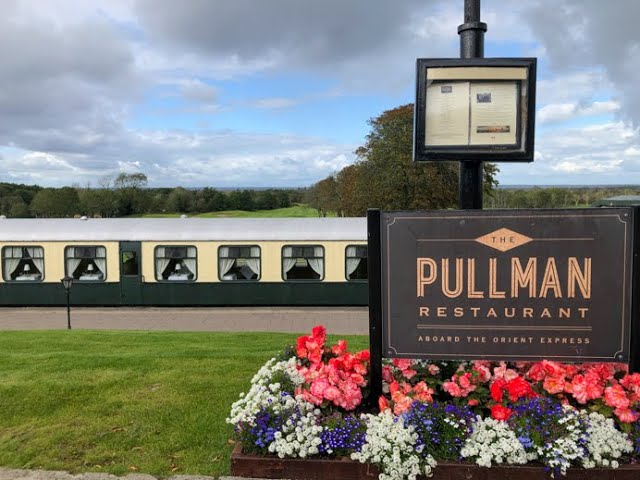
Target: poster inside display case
(475, 110)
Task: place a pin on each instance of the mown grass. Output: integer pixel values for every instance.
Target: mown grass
(295, 211)
(121, 402)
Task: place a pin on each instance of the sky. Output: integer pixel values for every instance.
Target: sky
(277, 93)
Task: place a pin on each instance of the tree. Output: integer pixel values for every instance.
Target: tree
(99, 202)
(389, 178)
(56, 202)
(241, 200)
(132, 196)
(130, 180)
(180, 200)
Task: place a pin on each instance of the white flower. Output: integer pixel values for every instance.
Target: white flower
(493, 442)
(263, 392)
(605, 443)
(391, 445)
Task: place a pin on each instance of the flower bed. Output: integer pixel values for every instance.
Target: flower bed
(434, 417)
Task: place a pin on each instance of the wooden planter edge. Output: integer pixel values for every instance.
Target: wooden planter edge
(263, 466)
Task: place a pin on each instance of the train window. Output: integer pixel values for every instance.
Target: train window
(130, 265)
(176, 263)
(302, 262)
(356, 262)
(86, 263)
(239, 262)
(23, 264)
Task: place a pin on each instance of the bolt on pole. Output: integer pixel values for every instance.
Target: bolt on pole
(471, 46)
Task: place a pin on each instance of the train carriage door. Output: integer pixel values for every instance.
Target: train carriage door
(130, 273)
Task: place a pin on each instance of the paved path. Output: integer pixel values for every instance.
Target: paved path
(338, 320)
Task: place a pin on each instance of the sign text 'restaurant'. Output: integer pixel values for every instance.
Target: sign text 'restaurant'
(507, 285)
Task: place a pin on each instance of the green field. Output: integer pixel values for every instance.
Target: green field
(122, 402)
(295, 211)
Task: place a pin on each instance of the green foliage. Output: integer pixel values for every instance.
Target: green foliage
(55, 202)
(553, 197)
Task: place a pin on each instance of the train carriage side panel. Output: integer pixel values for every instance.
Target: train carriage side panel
(271, 289)
(49, 290)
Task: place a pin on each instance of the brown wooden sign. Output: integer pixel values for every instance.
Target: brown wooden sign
(509, 285)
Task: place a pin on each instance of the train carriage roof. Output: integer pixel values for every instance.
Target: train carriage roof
(183, 229)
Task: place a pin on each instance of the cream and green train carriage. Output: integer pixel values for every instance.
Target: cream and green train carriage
(185, 261)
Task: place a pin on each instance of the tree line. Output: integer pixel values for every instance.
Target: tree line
(554, 197)
(127, 194)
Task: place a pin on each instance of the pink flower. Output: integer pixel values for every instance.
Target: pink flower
(423, 393)
(409, 373)
(604, 371)
(631, 382)
(625, 415)
(339, 348)
(484, 374)
(503, 372)
(433, 369)
(387, 374)
(402, 363)
(318, 387)
(579, 389)
(452, 388)
(552, 368)
(554, 384)
(615, 396)
(402, 404)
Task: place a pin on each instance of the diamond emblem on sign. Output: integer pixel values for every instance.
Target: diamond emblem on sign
(503, 239)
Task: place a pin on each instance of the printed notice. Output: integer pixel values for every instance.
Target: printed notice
(447, 114)
(493, 113)
(472, 113)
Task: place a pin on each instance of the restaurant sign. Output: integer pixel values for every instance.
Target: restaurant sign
(508, 285)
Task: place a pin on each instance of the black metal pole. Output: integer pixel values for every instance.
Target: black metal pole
(68, 310)
(471, 46)
(375, 307)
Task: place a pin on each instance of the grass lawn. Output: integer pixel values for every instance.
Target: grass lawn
(122, 402)
(295, 211)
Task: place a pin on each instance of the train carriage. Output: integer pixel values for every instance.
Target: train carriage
(184, 261)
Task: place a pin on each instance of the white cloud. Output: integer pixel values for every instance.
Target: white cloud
(597, 154)
(567, 111)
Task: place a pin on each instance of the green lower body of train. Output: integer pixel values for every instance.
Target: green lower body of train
(187, 294)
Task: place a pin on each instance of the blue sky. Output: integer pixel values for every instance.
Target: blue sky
(265, 93)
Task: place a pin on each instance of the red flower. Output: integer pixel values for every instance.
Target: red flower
(339, 348)
(537, 372)
(497, 389)
(320, 333)
(518, 388)
(498, 412)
